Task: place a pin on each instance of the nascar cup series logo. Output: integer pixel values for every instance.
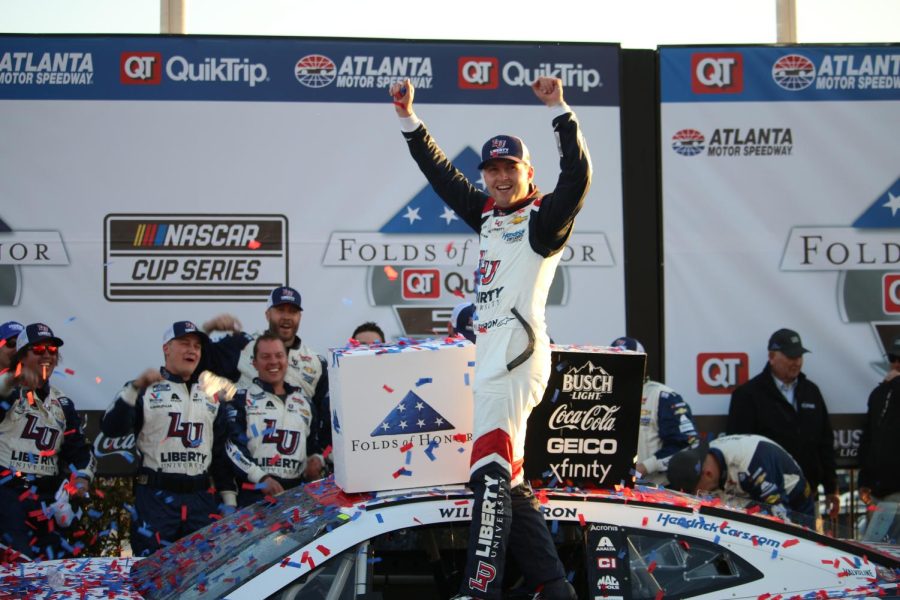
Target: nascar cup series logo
(161, 257)
(423, 260)
(364, 71)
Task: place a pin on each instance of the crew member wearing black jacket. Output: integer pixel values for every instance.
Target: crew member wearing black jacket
(782, 404)
(879, 454)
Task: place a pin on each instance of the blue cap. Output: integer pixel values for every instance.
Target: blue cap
(628, 343)
(461, 318)
(284, 295)
(182, 328)
(10, 329)
(36, 333)
(507, 147)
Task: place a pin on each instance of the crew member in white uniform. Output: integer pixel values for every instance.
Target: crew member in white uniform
(522, 235)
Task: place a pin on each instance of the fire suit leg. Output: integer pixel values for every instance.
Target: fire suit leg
(23, 522)
(162, 520)
(503, 400)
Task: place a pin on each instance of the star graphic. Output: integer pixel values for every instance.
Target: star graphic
(420, 423)
(401, 407)
(439, 421)
(412, 214)
(402, 425)
(385, 426)
(448, 215)
(420, 405)
(893, 204)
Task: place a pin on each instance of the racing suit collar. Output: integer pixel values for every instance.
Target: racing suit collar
(531, 197)
(175, 378)
(288, 388)
(723, 468)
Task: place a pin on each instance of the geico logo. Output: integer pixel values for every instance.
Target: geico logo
(478, 72)
(582, 446)
(139, 67)
(715, 72)
(517, 74)
(585, 383)
(233, 235)
(179, 68)
(892, 293)
(720, 372)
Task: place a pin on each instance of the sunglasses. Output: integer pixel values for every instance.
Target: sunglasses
(43, 349)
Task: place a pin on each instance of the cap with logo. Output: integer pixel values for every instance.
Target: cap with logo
(894, 348)
(461, 319)
(10, 330)
(36, 333)
(628, 343)
(787, 341)
(284, 295)
(507, 147)
(686, 466)
(182, 328)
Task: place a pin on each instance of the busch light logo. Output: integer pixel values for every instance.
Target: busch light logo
(793, 72)
(587, 382)
(688, 142)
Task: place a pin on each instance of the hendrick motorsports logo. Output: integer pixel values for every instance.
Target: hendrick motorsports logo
(736, 141)
(867, 256)
(422, 261)
(851, 71)
(46, 68)
(161, 257)
(318, 71)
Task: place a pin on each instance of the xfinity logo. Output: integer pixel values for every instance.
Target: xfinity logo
(479, 72)
(140, 68)
(717, 73)
(721, 372)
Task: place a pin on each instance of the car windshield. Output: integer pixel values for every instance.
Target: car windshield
(217, 558)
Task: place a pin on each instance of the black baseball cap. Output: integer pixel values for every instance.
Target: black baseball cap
(787, 341)
(686, 466)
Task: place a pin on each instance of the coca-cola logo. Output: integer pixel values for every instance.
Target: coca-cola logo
(107, 446)
(599, 417)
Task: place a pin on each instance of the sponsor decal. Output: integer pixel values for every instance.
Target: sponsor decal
(478, 72)
(559, 512)
(489, 529)
(484, 575)
(717, 73)
(161, 257)
(604, 544)
(607, 582)
(421, 284)
(582, 446)
(286, 441)
(315, 70)
(793, 72)
(216, 70)
(191, 434)
(688, 142)
(607, 562)
(44, 437)
(723, 529)
(866, 255)
(140, 68)
(46, 68)
(592, 385)
(721, 372)
(517, 74)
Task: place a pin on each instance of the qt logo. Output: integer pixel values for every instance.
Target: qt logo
(891, 285)
(140, 68)
(478, 72)
(717, 73)
(721, 372)
(421, 284)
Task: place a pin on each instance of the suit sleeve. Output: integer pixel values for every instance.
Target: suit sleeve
(448, 182)
(676, 424)
(223, 356)
(238, 452)
(768, 489)
(320, 429)
(75, 449)
(220, 466)
(125, 415)
(559, 208)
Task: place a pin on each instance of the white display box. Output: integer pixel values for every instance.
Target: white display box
(401, 415)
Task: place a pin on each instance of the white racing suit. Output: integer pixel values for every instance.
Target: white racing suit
(520, 250)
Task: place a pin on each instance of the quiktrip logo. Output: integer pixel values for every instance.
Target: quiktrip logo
(721, 372)
(717, 73)
(793, 72)
(479, 72)
(517, 74)
(688, 142)
(216, 70)
(140, 68)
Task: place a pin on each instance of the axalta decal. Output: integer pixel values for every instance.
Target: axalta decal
(161, 257)
(424, 259)
(46, 68)
(866, 255)
(364, 71)
(721, 529)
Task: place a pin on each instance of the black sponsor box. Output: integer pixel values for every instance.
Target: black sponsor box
(585, 430)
